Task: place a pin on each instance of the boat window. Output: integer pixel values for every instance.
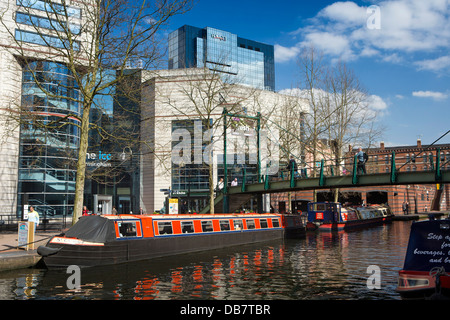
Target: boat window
(263, 223)
(224, 225)
(238, 224)
(127, 229)
(207, 226)
(319, 207)
(250, 223)
(276, 223)
(187, 227)
(165, 227)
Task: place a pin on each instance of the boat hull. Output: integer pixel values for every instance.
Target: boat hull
(425, 273)
(332, 216)
(422, 285)
(348, 225)
(122, 251)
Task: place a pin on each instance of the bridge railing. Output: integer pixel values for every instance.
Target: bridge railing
(376, 164)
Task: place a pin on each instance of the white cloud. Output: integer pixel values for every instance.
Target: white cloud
(430, 94)
(434, 64)
(344, 12)
(329, 43)
(377, 103)
(283, 54)
(406, 27)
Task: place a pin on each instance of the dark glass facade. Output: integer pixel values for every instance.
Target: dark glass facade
(190, 179)
(240, 60)
(112, 162)
(49, 139)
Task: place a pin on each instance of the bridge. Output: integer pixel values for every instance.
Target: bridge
(437, 172)
(331, 174)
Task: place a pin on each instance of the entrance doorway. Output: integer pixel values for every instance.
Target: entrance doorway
(102, 204)
(125, 205)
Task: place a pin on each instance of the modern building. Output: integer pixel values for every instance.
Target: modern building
(38, 166)
(182, 124)
(238, 60)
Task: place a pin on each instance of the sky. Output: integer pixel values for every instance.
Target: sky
(398, 49)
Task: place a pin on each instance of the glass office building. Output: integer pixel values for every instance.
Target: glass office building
(48, 153)
(239, 60)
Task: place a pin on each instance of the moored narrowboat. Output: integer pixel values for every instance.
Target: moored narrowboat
(426, 270)
(111, 239)
(332, 216)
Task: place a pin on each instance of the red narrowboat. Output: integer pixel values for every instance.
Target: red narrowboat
(111, 239)
(425, 273)
(332, 216)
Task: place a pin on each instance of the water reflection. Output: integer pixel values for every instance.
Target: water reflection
(320, 266)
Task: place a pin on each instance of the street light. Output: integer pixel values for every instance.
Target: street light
(226, 204)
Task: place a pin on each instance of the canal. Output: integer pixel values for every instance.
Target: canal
(319, 266)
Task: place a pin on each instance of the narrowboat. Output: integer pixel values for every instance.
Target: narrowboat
(111, 239)
(332, 216)
(427, 261)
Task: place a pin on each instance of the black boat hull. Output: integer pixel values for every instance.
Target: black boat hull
(122, 251)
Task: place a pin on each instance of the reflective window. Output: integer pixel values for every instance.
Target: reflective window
(275, 223)
(207, 226)
(165, 227)
(224, 225)
(50, 7)
(250, 223)
(263, 223)
(191, 174)
(127, 229)
(51, 24)
(45, 40)
(237, 60)
(47, 160)
(238, 225)
(187, 227)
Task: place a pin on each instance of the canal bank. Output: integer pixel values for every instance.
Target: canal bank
(12, 257)
(421, 216)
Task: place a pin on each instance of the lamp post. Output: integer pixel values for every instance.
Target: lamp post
(225, 202)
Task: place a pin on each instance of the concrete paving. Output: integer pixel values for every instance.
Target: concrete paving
(12, 257)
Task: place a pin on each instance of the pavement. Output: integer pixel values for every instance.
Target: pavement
(12, 257)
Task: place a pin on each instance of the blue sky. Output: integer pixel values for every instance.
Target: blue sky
(403, 61)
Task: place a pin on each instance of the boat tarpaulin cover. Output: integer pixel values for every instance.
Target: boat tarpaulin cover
(428, 246)
(93, 228)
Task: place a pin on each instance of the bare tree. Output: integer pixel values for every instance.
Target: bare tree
(108, 35)
(353, 120)
(203, 95)
(339, 112)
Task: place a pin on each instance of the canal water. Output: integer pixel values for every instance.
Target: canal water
(318, 266)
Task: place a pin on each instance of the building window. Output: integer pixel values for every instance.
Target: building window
(47, 158)
(50, 24)
(45, 40)
(50, 7)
